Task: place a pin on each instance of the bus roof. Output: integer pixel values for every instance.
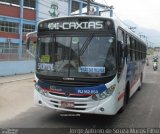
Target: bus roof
(116, 22)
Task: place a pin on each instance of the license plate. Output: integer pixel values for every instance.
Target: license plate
(66, 104)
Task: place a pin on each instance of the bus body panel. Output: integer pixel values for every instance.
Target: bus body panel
(131, 74)
(111, 105)
(82, 105)
(121, 87)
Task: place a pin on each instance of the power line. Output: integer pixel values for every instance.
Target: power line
(129, 27)
(122, 21)
(105, 3)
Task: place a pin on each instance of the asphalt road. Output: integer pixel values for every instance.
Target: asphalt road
(18, 111)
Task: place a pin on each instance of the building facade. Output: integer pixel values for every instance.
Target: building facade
(18, 17)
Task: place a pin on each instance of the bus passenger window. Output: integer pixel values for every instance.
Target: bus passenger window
(120, 51)
(128, 49)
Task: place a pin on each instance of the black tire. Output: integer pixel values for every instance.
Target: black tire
(139, 88)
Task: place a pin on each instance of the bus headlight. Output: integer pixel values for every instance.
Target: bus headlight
(41, 90)
(104, 94)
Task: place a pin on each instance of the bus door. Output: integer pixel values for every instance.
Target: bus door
(122, 67)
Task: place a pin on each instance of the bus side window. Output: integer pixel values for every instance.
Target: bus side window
(120, 51)
(128, 49)
(133, 49)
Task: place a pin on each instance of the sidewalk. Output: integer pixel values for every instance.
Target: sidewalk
(16, 95)
(8, 79)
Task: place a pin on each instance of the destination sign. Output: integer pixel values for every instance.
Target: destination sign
(84, 69)
(76, 25)
(73, 24)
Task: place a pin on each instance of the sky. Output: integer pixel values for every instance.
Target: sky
(145, 13)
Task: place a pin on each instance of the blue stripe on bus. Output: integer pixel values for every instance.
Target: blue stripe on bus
(91, 90)
(75, 90)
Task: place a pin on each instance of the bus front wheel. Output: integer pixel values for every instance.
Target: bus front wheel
(141, 80)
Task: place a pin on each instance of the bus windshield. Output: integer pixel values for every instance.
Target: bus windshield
(76, 56)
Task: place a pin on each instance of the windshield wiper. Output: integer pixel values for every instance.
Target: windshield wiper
(85, 45)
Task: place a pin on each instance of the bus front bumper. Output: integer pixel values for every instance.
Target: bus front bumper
(78, 105)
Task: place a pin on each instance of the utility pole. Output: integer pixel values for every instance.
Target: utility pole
(88, 6)
(111, 10)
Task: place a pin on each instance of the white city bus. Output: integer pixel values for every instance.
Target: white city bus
(87, 64)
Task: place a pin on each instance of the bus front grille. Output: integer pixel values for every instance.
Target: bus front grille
(72, 95)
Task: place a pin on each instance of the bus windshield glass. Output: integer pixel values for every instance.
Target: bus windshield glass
(76, 56)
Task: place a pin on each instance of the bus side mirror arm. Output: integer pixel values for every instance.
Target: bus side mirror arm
(28, 43)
